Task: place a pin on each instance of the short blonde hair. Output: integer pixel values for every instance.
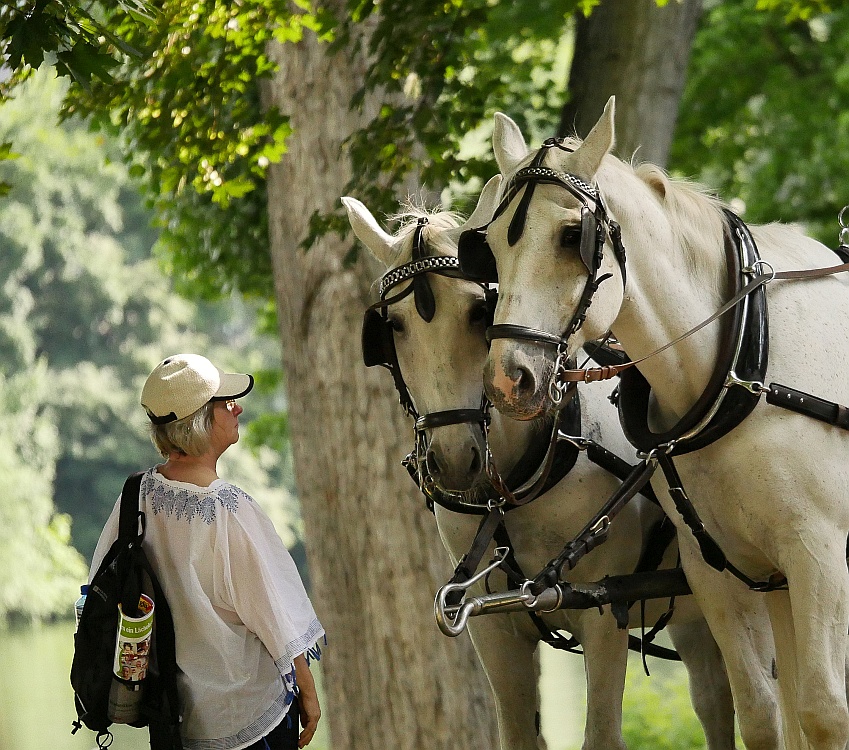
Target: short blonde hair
(190, 436)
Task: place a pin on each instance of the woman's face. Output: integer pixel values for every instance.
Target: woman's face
(225, 424)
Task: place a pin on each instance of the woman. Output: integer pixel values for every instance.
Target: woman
(242, 619)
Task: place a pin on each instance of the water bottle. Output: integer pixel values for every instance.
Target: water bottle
(79, 604)
(124, 701)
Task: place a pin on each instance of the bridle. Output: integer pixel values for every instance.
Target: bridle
(379, 349)
(546, 460)
(478, 262)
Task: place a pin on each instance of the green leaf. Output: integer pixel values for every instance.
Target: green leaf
(139, 11)
(6, 151)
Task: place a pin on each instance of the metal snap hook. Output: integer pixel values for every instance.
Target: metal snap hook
(601, 526)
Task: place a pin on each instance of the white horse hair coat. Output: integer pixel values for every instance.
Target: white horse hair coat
(773, 492)
(442, 363)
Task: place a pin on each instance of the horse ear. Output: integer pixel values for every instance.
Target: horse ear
(586, 161)
(508, 143)
(368, 231)
(487, 203)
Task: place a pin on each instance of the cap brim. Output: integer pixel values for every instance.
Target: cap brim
(233, 385)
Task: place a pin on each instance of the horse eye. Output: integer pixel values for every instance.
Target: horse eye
(396, 325)
(478, 314)
(570, 237)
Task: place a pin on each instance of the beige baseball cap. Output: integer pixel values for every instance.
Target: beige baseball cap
(183, 383)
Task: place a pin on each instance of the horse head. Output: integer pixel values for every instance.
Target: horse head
(560, 283)
(434, 324)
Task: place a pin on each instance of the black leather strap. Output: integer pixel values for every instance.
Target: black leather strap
(711, 551)
(451, 416)
(811, 406)
(596, 530)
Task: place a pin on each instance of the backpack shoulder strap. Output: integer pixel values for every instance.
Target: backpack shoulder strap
(128, 522)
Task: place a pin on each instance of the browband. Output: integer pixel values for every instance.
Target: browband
(443, 264)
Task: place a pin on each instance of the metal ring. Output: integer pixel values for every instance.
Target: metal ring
(527, 596)
(840, 217)
(756, 268)
(844, 236)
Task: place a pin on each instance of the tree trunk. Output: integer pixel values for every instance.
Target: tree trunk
(392, 680)
(639, 52)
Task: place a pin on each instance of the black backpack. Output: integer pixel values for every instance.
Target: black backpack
(122, 577)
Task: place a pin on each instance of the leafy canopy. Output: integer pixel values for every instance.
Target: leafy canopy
(179, 80)
(772, 136)
(85, 313)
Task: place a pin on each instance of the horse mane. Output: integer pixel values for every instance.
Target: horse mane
(438, 220)
(693, 213)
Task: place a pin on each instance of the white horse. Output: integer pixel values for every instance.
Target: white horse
(772, 492)
(441, 362)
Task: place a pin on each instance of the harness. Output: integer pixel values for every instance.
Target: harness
(735, 386)
(548, 458)
(478, 262)
(531, 477)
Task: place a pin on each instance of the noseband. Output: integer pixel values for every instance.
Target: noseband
(478, 262)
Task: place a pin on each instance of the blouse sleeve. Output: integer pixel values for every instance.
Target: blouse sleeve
(259, 577)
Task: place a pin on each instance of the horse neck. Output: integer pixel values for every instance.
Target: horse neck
(671, 288)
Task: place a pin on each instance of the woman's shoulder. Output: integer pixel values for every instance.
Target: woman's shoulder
(186, 501)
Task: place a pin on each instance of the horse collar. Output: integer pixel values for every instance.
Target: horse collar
(742, 360)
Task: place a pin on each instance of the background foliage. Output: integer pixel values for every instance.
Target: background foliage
(85, 313)
(178, 84)
(775, 137)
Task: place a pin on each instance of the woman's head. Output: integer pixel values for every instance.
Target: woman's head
(180, 397)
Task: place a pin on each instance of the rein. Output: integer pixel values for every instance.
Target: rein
(593, 374)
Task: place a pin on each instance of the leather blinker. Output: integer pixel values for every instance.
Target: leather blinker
(476, 259)
(376, 339)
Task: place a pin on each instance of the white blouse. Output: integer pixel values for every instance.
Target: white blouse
(241, 614)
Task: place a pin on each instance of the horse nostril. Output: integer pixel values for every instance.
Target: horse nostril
(524, 381)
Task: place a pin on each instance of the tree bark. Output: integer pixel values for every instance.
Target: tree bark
(639, 52)
(392, 679)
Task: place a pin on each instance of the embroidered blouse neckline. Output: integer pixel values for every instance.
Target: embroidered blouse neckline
(188, 485)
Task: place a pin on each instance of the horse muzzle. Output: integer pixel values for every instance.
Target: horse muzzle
(516, 379)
